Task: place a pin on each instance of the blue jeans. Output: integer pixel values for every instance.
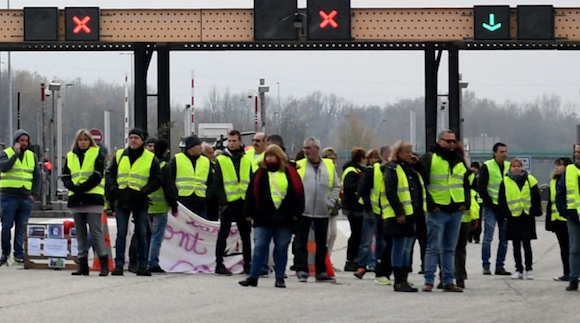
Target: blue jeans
(262, 238)
(15, 210)
(140, 215)
(490, 219)
(442, 234)
(401, 255)
(157, 224)
(574, 236)
(372, 225)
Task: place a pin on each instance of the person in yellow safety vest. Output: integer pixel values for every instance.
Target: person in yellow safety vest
(161, 204)
(257, 150)
(208, 151)
(555, 222)
(368, 192)
(274, 198)
(233, 170)
(449, 195)
(469, 221)
(475, 234)
(490, 177)
(321, 189)
(132, 175)
(192, 177)
(568, 204)
(520, 201)
(19, 186)
(402, 200)
(352, 172)
(83, 176)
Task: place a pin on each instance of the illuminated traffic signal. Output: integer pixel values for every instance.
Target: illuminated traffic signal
(82, 23)
(328, 19)
(491, 22)
(536, 22)
(274, 19)
(40, 24)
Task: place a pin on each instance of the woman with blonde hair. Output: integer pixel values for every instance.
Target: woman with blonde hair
(275, 197)
(82, 175)
(403, 201)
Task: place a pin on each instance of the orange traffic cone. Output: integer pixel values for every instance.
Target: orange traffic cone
(105, 228)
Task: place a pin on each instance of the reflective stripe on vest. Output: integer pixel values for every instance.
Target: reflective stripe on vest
(445, 186)
(22, 172)
(278, 187)
(555, 215)
(519, 200)
(404, 195)
(136, 175)
(375, 194)
(235, 187)
(81, 173)
(158, 202)
(330, 169)
(495, 178)
(189, 180)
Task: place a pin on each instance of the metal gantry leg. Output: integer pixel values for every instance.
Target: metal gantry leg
(454, 92)
(431, 66)
(163, 97)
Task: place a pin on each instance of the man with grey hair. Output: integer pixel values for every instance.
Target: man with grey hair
(207, 151)
(321, 188)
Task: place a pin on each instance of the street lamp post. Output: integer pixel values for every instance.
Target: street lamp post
(54, 88)
(59, 122)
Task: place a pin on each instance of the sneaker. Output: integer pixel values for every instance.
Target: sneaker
(18, 260)
(486, 271)
(302, 276)
(517, 275)
(562, 278)
(529, 275)
(156, 269)
(382, 281)
(360, 272)
(222, 270)
(502, 272)
(324, 278)
(3, 260)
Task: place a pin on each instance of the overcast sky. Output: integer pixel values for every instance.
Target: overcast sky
(365, 77)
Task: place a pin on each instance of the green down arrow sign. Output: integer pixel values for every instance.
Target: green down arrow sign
(491, 25)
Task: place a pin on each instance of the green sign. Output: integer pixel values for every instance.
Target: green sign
(491, 22)
(491, 25)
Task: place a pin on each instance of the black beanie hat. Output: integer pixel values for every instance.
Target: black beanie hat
(139, 132)
(191, 141)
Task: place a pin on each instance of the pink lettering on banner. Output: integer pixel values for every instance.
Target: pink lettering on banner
(187, 241)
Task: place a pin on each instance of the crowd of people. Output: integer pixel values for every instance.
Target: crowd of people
(391, 196)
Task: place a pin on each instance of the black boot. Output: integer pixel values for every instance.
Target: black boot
(573, 285)
(104, 266)
(83, 267)
(401, 283)
(249, 282)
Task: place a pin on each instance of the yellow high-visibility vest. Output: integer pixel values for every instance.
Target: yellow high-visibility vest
(473, 212)
(555, 214)
(235, 186)
(251, 151)
(375, 195)
(22, 172)
(278, 187)
(495, 178)
(404, 195)
(572, 189)
(518, 200)
(134, 176)
(81, 173)
(158, 201)
(189, 181)
(329, 168)
(446, 186)
(346, 172)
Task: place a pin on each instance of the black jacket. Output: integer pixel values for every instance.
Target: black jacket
(128, 198)
(393, 228)
(365, 186)
(453, 158)
(80, 198)
(522, 227)
(259, 206)
(193, 202)
(350, 189)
